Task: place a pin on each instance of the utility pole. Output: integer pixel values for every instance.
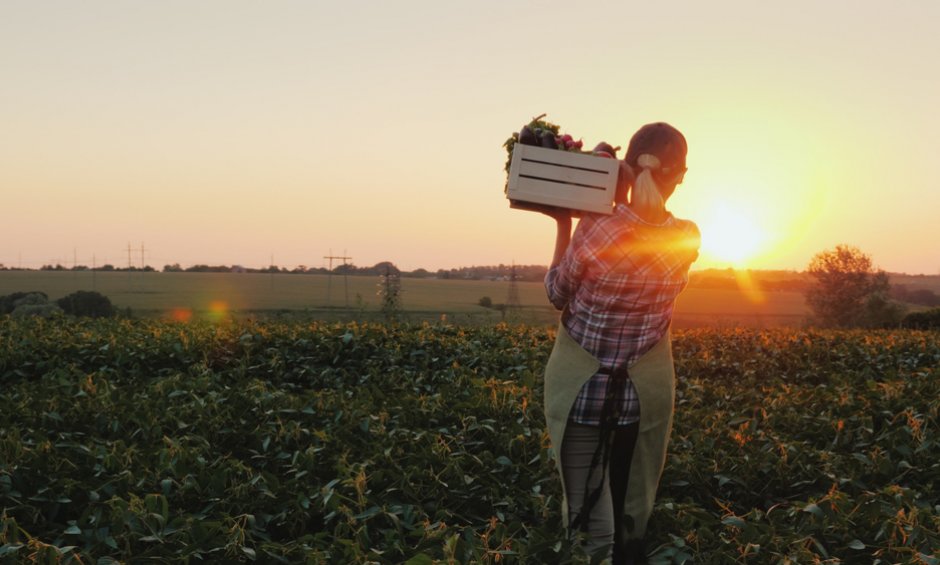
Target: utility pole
(346, 278)
(130, 265)
(512, 301)
(142, 264)
(329, 280)
(94, 271)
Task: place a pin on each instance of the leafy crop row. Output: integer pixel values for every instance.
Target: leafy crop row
(145, 440)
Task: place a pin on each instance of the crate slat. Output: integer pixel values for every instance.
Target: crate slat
(562, 178)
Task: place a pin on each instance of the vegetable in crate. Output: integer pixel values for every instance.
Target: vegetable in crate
(527, 136)
(536, 127)
(548, 140)
(604, 149)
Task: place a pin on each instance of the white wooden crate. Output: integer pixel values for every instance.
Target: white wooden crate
(561, 178)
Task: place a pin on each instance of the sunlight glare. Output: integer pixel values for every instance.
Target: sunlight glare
(730, 235)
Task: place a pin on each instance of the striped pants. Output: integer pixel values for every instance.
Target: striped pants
(577, 452)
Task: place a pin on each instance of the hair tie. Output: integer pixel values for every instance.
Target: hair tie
(647, 161)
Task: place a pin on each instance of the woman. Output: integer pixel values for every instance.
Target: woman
(609, 383)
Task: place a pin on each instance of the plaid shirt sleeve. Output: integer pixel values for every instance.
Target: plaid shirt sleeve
(562, 280)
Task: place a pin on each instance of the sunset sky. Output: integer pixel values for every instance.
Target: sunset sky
(225, 132)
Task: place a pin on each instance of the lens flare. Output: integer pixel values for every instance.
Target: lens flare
(752, 291)
(180, 314)
(218, 310)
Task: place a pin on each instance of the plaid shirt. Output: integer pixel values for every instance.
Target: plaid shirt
(617, 285)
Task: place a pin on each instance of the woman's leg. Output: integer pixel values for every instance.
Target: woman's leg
(621, 455)
(577, 451)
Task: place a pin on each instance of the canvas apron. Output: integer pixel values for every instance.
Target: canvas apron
(653, 376)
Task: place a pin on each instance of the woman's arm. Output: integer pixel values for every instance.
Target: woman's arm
(558, 284)
(562, 239)
(562, 233)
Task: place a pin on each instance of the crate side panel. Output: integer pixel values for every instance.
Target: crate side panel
(555, 194)
(588, 179)
(571, 158)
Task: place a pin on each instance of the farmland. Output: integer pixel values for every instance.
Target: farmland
(352, 443)
(336, 298)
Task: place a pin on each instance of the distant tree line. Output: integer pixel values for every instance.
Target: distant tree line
(779, 281)
(914, 295)
(532, 273)
(59, 267)
(380, 268)
(726, 280)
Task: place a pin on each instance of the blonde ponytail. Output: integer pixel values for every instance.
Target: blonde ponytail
(645, 197)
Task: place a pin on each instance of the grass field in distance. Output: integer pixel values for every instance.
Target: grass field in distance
(160, 294)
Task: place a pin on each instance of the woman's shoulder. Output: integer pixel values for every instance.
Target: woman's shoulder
(687, 226)
(689, 235)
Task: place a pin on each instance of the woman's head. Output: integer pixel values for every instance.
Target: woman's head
(666, 144)
(656, 156)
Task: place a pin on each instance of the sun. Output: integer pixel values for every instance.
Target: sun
(731, 235)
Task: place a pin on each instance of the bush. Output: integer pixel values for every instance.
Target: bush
(23, 304)
(9, 302)
(47, 310)
(87, 303)
(926, 320)
(486, 302)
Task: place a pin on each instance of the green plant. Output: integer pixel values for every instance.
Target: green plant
(142, 440)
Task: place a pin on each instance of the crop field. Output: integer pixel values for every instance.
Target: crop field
(336, 298)
(155, 441)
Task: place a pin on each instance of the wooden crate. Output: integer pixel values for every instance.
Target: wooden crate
(563, 179)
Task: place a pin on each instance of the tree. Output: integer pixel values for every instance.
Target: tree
(847, 291)
(87, 303)
(389, 291)
(880, 311)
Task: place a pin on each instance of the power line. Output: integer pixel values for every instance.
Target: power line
(329, 279)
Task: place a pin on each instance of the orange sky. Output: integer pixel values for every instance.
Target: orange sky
(228, 132)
